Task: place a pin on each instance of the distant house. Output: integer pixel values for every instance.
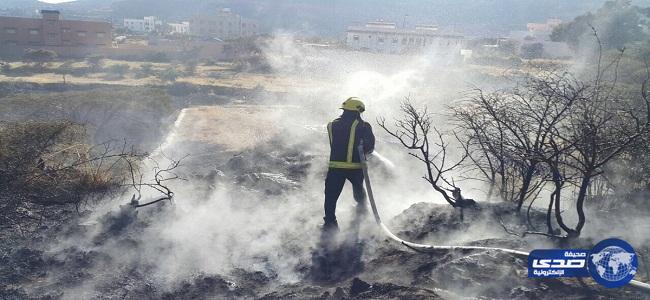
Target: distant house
(543, 28)
(51, 30)
(224, 25)
(135, 25)
(182, 28)
(540, 34)
(146, 24)
(385, 37)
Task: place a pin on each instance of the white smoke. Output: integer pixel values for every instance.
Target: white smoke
(229, 227)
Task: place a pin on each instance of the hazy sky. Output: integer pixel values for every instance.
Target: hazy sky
(56, 1)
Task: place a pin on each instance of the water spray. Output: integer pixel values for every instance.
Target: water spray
(387, 162)
(171, 137)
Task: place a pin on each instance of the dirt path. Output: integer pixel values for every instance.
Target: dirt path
(233, 127)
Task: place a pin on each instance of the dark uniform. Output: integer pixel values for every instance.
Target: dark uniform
(346, 134)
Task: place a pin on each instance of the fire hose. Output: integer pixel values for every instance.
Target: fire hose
(645, 287)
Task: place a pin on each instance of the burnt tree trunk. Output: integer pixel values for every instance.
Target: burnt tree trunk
(582, 195)
(528, 177)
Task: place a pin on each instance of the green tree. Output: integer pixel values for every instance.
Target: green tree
(532, 51)
(618, 23)
(118, 70)
(168, 75)
(39, 56)
(572, 32)
(65, 69)
(190, 68)
(157, 57)
(5, 67)
(95, 62)
(146, 70)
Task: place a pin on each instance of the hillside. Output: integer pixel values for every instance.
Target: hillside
(331, 17)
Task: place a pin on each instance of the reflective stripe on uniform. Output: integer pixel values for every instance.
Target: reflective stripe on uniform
(344, 165)
(353, 131)
(348, 164)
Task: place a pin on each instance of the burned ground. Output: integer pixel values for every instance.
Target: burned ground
(268, 245)
(110, 259)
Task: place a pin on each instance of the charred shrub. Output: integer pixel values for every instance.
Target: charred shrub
(49, 164)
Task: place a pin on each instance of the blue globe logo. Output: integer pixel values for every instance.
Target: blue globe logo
(613, 263)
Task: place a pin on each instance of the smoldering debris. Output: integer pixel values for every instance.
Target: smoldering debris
(353, 289)
(213, 285)
(435, 222)
(234, 240)
(270, 171)
(117, 254)
(338, 256)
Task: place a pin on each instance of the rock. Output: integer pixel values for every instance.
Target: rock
(238, 162)
(338, 294)
(358, 286)
(250, 279)
(393, 291)
(209, 286)
(12, 293)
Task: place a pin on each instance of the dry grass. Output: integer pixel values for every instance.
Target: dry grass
(233, 127)
(97, 78)
(245, 81)
(220, 75)
(249, 81)
(204, 75)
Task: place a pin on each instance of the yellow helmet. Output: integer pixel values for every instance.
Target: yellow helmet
(353, 104)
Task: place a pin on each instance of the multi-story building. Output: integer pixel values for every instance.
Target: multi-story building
(543, 28)
(146, 24)
(224, 25)
(182, 28)
(385, 37)
(51, 30)
(135, 25)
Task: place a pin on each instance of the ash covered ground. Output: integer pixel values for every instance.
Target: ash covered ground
(244, 225)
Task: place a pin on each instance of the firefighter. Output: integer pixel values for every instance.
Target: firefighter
(346, 133)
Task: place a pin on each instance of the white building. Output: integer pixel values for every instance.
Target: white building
(152, 23)
(385, 37)
(146, 24)
(182, 28)
(543, 28)
(136, 25)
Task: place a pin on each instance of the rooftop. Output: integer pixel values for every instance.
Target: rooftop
(419, 31)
